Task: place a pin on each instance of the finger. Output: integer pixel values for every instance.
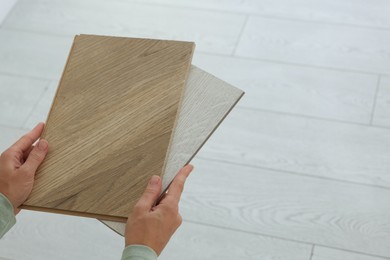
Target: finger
(36, 157)
(177, 186)
(151, 193)
(24, 143)
(27, 153)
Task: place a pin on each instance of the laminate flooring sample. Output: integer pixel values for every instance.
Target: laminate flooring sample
(207, 100)
(110, 124)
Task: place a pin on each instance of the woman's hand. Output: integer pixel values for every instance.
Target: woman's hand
(153, 226)
(18, 165)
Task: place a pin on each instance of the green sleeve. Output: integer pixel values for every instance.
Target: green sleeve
(138, 252)
(7, 217)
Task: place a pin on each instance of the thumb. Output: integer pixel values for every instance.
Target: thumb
(150, 194)
(36, 157)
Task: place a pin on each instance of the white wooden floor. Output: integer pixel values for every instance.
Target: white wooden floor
(299, 171)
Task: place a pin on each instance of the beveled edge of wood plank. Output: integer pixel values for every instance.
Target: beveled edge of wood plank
(177, 113)
(137, 38)
(74, 213)
(209, 135)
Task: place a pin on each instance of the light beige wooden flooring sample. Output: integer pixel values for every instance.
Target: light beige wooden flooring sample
(207, 101)
(110, 124)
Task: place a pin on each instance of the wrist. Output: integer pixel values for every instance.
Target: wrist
(8, 197)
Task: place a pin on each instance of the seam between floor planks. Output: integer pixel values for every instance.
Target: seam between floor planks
(262, 109)
(37, 102)
(312, 252)
(240, 36)
(262, 15)
(282, 238)
(375, 99)
(256, 167)
(312, 117)
(293, 173)
(289, 63)
(12, 29)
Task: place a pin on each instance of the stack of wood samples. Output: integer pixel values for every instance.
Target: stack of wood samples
(118, 118)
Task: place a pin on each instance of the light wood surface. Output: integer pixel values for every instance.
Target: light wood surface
(325, 149)
(381, 115)
(323, 45)
(207, 101)
(286, 88)
(323, 253)
(218, 32)
(374, 14)
(291, 206)
(16, 106)
(298, 103)
(110, 124)
(220, 244)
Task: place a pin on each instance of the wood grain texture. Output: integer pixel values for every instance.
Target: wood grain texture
(341, 47)
(339, 151)
(207, 101)
(349, 12)
(110, 124)
(194, 242)
(39, 235)
(312, 210)
(313, 92)
(323, 253)
(381, 115)
(216, 33)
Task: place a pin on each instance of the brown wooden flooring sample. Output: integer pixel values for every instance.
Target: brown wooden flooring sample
(110, 124)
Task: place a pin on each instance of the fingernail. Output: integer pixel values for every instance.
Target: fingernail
(154, 180)
(42, 145)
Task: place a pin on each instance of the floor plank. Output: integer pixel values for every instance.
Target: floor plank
(307, 91)
(194, 241)
(8, 136)
(5, 7)
(301, 208)
(315, 147)
(217, 32)
(382, 109)
(283, 88)
(351, 12)
(31, 54)
(342, 215)
(322, 45)
(323, 253)
(41, 110)
(18, 97)
(39, 236)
